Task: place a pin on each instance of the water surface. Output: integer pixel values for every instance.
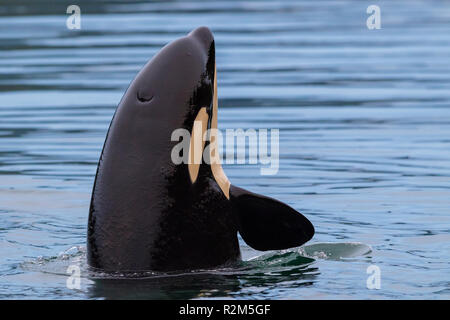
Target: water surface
(364, 119)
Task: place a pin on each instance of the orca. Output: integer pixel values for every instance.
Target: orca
(148, 213)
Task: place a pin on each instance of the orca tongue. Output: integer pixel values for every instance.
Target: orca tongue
(268, 224)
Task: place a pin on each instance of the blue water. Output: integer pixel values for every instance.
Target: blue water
(364, 119)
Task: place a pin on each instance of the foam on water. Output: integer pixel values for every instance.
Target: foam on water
(294, 257)
(335, 251)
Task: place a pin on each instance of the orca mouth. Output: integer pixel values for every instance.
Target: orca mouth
(204, 36)
(206, 91)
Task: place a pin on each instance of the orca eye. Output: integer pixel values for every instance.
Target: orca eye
(142, 98)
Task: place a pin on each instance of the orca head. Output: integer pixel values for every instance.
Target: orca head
(177, 82)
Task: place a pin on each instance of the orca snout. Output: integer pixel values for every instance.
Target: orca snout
(204, 36)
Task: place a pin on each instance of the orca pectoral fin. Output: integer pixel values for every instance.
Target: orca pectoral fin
(268, 224)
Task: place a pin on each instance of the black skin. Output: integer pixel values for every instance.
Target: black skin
(145, 212)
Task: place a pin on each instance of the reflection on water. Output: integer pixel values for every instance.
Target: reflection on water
(209, 285)
(364, 123)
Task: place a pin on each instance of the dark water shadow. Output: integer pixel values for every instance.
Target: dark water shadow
(234, 282)
(176, 287)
